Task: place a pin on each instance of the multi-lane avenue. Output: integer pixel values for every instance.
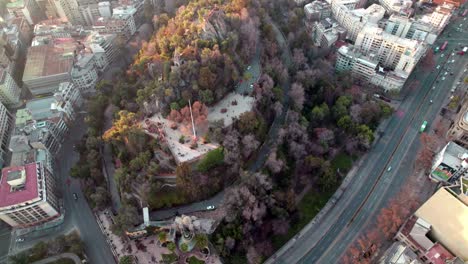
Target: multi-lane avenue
(373, 185)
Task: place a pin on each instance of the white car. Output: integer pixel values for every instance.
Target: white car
(453, 61)
(19, 239)
(438, 67)
(389, 168)
(248, 68)
(445, 73)
(443, 78)
(210, 207)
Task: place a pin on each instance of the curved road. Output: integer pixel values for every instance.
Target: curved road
(326, 241)
(71, 256)
(264, 150)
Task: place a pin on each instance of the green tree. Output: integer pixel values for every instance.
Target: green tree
(184, 247)
(206, 78)
(100, 197)
(341, 106)
(212, 159)
(39, 251)
(201, 240)
(126, 259)
(206, 96)
(346, 123)
(248, 122)
(171, 246)
(320, 112)
(21, 258)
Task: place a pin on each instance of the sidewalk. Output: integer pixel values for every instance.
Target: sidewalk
(71, 256)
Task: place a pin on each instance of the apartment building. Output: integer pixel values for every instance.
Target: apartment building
(86, 69)
(450, 164)
(458, 131)
(9, 89)
(48, 8)
(436, 232)
(103, 42)
(6, 125)
(440, 17)
(392, 52)
(68, 100)
(317, 10)
(326, 32)
(23, 153)
(402, 7)
(366, 67)
(105, 9)
(28, 195)
(455, 3)
(354, 21)
(404, 27)
(69, 10)
(27, 9)
(122, 25)
(398, 253)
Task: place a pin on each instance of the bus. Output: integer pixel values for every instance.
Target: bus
(465, 12)
(444, 46)
(423, 126)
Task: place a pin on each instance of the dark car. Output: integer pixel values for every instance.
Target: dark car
(75, 196)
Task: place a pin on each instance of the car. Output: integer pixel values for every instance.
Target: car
(19, 239)
(75, 196)
(251, 86)
(442, 55)
(453, 54)
(443, 78)
(453, 90)
(438, 67)
(445, 73)
(433, 87)
(248, 68)
(451, 73)
(389, 168)
(210, 207)
(453, 61)
(430, 101)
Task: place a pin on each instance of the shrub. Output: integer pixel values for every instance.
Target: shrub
(212, 159)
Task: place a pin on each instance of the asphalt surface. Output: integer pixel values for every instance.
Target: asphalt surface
(71, 256)
(373, 185)
(265, 148)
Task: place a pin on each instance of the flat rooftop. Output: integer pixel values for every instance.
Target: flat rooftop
(51, 59)
(448, 217)
(27, 193)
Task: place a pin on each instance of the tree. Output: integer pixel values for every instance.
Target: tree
(57, 245)
(100, 197)
(320, 112)
(273, 163)
(39, 251)
(250, 143)
(212, 159)
(21, 258)
(340, 108)
(297, 95)
(184, 247)
(128, 217)
(126, 259)
(248, 122)
(201, 241)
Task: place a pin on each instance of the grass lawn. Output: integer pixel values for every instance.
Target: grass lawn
(309, 206)
(342, 162)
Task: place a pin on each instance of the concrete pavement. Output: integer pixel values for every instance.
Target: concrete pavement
(373, 186)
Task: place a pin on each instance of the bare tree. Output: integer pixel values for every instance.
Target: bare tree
(250, 143)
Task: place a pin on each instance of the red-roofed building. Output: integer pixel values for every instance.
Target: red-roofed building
(438, 254)
(27, 195)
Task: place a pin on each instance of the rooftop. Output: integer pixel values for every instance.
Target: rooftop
(451, 230)
(450, 158)
(439, 254)
(51, 59)
(15, 4)
(27, 193)
(40, 109)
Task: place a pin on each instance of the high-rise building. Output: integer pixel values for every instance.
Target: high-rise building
(105, 9)
(402, 7)
(9, 89)
(6, 125)
(440, 17)
(393, 52)
(106, 42)
(317, 10)
(404, 27)
(326, 32)
(28, 195)
(28, 9)
(450, 164)
(355, 20)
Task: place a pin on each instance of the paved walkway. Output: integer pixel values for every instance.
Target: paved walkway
(71, 256)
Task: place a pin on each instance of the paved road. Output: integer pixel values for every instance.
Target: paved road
(71, 256)
(266, 146)
(328, 240)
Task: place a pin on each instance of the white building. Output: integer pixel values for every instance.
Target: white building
(87, 68)
(355, 20)
(392, 52)
(28, 195)
(68, 99)
(326, 32)
(120, 23)
(404, 27)
(397, 6)
(9, 89)
(105, 9)
(450, 164)
(366, 68)
(90, 13)
(6, 124)
(317, 10)
(28, 9)
(103, 42)
(440, 17)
